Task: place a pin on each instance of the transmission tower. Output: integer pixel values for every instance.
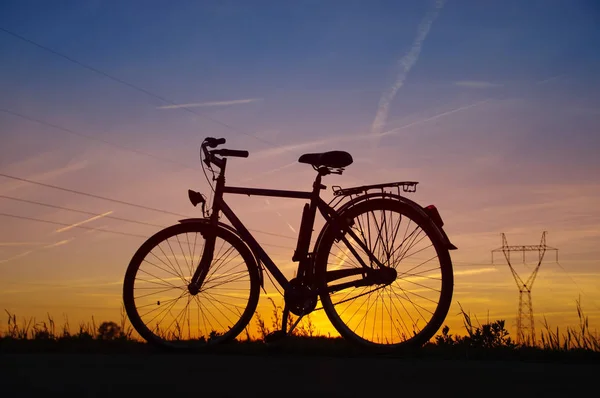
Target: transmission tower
(525, 324)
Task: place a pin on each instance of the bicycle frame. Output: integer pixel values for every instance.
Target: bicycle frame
(305, 266)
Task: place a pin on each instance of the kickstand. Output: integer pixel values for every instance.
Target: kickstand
(283, 332)
(284, 318)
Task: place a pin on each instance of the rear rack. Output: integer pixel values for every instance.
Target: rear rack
(406, 186)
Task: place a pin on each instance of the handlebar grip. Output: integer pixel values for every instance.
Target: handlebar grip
(214, 142)
(231, 152)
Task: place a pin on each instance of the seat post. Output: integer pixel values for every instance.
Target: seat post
(317, 186)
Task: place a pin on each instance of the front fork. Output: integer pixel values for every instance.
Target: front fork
(204, 265)
(210, 238)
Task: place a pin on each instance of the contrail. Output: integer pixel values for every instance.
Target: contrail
(84, 222)
(406, 63)
(267, 153)
(256, 176)
(211, 103)
(28, 252)
(460, 109)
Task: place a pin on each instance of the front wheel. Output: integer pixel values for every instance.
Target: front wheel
(401, 307)
(159, 304)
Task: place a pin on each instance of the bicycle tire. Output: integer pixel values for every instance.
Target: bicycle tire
(204, 301)
(399, 335)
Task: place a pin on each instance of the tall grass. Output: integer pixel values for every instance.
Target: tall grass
(574, 338)
(490, 337)
(45, 330)
(305, 328)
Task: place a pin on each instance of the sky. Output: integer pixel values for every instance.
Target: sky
(493, 106)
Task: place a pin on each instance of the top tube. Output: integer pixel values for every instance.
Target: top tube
(267, 192)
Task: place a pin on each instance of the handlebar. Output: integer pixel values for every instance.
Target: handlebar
(230, 152)
(214, 142)
(209, 156)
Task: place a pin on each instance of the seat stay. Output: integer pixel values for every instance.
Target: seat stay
(332, 216)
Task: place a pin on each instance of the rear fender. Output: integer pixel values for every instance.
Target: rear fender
(429, 212)
(206, 221)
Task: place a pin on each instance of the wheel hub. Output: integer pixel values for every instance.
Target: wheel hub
(383, 276)
(193, 289)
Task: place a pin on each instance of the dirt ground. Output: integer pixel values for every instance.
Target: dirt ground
(110, 375)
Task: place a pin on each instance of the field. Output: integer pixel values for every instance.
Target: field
(233, 375)
(109, 361)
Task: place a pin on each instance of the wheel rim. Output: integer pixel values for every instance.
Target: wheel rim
(411, 308)
(161, 306)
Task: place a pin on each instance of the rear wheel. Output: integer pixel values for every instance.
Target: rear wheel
(393, 309)
(156, 295)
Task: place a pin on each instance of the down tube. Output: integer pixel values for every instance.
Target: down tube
(254, 245)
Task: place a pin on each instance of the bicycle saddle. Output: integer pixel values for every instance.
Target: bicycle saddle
(334, 159)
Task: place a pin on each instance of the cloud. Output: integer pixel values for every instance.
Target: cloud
(291, 148)
(60, 243)
(406, 63)
(211, 103)
(28, 252)
(45, 176)
(434, 117)
(476, 84)
(275, 170)
(14, 244)
(550, 79)
(476, 271)
(84, 221)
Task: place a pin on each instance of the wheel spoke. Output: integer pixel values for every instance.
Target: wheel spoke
(156, 294)
(395, 312)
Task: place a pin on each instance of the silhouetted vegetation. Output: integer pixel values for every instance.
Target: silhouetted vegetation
(483, 341)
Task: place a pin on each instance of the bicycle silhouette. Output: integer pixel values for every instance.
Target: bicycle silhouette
(380, 265)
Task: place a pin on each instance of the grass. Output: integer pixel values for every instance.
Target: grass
(481, 341)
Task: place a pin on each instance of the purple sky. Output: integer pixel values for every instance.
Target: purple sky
(494, 108)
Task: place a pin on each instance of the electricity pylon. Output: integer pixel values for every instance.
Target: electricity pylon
(525, 324)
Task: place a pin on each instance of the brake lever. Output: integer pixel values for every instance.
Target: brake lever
(207, 155)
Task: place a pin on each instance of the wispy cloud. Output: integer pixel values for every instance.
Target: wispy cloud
(45, 176)
(476, 271)
(434, 117)
(28, 252)
(476, 84)
(303, 146)
(294, 148)
(550, 79)
(18, 244)
(84, 221)
(211, 103)
(275, 170)
(406, 63)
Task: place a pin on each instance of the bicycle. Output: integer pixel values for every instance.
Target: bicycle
(177, 301)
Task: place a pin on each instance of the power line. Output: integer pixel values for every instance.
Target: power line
(110, 200)
(137, 151)
(70, 225)
(575, 283)
(89, 213)
(93, 196)
(134, 87)
(98, 229)
(116, 218)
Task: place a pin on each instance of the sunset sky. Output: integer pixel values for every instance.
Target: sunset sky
(493, 106)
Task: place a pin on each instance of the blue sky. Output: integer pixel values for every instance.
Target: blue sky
(497, 116)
